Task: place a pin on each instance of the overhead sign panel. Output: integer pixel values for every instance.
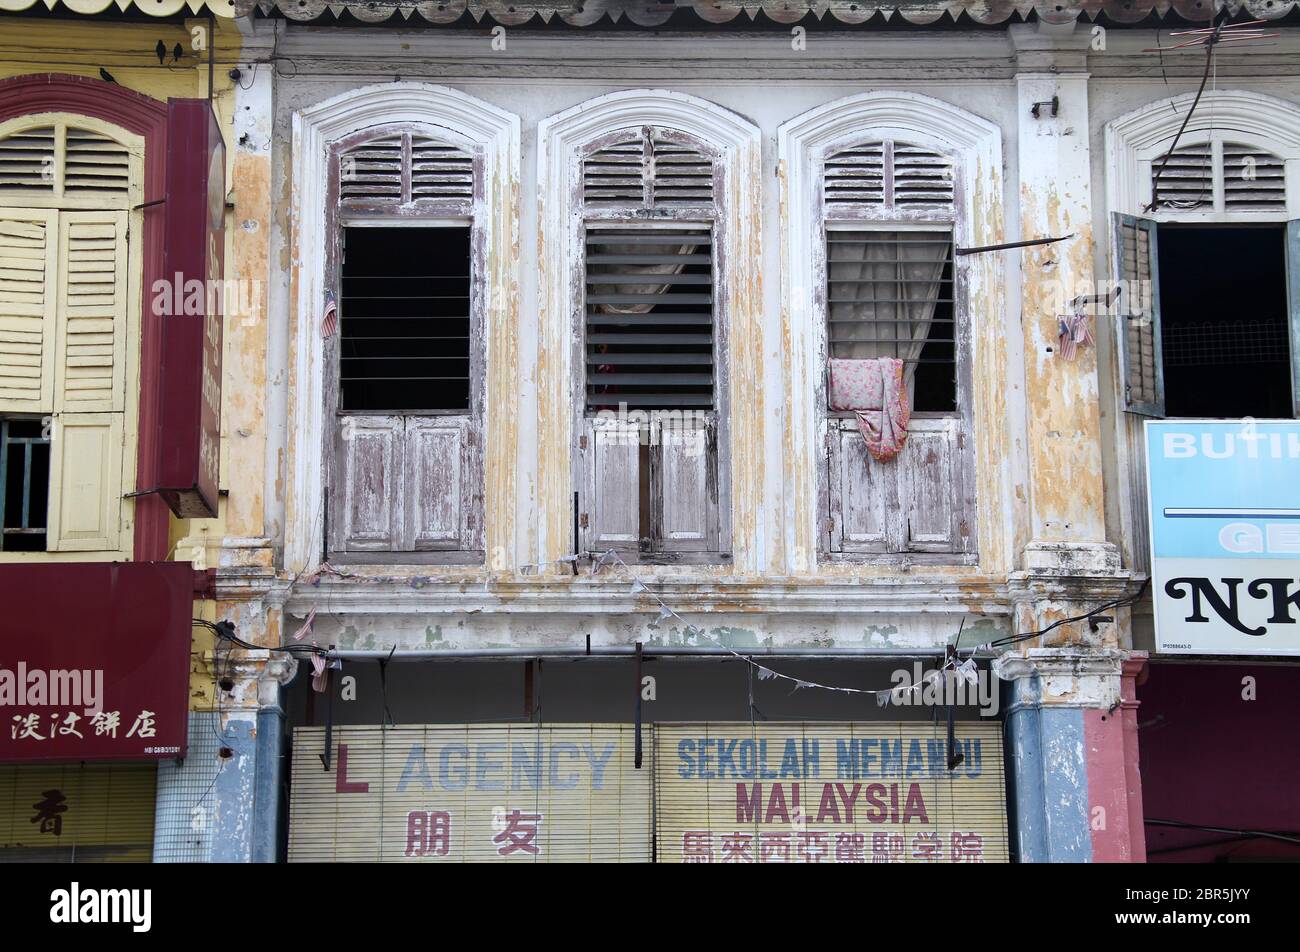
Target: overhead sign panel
(1224, 501)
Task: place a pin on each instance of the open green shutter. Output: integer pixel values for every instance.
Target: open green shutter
(1138, 312)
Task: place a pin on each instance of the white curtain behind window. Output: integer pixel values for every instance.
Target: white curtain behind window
(883, 289)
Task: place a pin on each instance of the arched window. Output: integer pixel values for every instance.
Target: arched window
(880, 189)
(406, 198)
(68, 331)
(1205, 240)
(651, 273)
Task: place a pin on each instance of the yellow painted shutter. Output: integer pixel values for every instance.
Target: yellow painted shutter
(28, 276)
(86, 483)
(89, 383)
(92, 312)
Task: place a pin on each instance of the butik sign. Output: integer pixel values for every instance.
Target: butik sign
(190, 306)
(1224, 500)
(94, 660)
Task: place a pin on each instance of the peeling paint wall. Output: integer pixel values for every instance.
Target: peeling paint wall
(1044, 470)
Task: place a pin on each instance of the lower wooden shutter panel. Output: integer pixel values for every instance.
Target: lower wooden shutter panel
(85, 513)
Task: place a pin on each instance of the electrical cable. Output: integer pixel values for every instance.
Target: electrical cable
(1263, 834)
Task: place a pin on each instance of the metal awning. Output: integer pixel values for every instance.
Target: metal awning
(650, 13)
(157, 8)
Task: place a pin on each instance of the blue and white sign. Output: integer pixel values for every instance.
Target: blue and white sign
(1224, 500)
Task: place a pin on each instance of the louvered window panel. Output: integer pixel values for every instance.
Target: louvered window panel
(649, 319)
(95, 164)
(439, 170)
(94, 307)
(887, 174)
(1186, 177)
(27, 160)
(405, 167)
(25, 311)
(647, 170)
(1252, 178)
(856, 176)
(372, 170)
(921, 177)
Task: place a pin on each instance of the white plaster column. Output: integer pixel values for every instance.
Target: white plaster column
(1067, 518)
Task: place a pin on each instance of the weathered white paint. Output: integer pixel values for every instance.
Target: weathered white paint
(767, 84)
(801, 143)
(466, 120)
(560, 140)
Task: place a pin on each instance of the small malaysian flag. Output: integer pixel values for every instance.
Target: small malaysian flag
(329, 325)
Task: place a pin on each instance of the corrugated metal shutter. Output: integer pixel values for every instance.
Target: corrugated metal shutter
(726, 793)
(103, 813)
(1137, 269)
(479, 793)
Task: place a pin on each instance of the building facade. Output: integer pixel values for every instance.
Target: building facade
(536, 455)
(111, 135)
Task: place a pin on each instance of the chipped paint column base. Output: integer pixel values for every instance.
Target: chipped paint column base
(246, 793)
(1073, 754)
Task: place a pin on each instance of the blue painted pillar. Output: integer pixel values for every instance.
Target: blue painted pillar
(1051, 788)
(267, 814)
(1067, 754)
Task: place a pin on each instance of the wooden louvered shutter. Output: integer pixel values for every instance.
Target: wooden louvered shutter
(28, 276)
(1138, 307)
(92, 312)
(89, 382)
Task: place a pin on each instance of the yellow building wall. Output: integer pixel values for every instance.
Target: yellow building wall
(128, 52)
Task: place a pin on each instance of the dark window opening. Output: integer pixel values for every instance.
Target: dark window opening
(890, 294)
(1225, 327)
(404, 313)
(25, 475)
(649, 319)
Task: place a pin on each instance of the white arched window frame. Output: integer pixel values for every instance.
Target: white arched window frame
(732, 145)
(70, 191)
(491, 136)
(1134, 145)
(922, 505)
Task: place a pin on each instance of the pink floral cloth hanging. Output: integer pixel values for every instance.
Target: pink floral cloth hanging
(874, 389)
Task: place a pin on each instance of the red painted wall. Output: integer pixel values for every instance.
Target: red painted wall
(1210, 757)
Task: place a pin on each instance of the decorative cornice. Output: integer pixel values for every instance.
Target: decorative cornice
(154, 8)
(653, 13)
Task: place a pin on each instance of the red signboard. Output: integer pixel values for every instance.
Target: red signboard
(189, 300)
(94, 660)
